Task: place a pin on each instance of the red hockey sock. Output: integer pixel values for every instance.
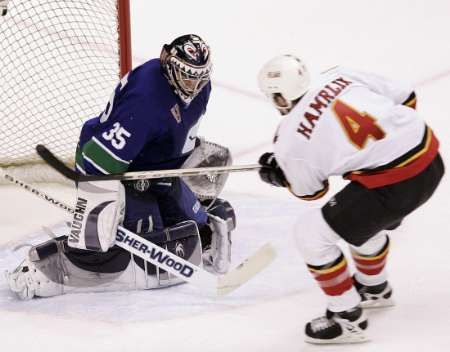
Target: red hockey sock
(370, 268)
(334, 278)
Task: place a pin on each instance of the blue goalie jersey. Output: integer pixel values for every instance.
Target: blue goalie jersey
(145, 126)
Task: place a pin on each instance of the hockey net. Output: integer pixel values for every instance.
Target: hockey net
(59, 62)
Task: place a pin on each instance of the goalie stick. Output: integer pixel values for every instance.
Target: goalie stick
(170, 262)
(66, 171)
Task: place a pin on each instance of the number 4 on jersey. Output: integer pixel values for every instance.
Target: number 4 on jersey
(358, 126)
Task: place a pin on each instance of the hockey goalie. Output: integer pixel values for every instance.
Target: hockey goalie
(150, 123)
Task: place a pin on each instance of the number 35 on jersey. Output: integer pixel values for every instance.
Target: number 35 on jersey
(117, 135)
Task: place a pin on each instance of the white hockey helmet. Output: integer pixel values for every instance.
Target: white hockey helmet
(284, 76)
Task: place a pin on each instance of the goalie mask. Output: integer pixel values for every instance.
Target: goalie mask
(187, 66)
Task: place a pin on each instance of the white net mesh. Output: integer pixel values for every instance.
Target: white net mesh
(59, 61)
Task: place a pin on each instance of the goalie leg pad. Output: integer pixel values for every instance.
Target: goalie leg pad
(182, 239)
(223, 209)
(221, 221)
(47, 271)
(100, 209)
(43, 278)
(52, 268)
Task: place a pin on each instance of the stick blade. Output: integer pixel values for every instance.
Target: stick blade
(246, 270)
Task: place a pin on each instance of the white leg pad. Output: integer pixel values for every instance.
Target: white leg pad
(220, 251)
(27, 281)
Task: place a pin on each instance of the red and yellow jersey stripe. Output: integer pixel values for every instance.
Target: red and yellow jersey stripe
(408, 165)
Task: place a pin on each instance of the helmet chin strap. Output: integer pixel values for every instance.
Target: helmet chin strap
(284, 111)
(283, 105)
(287, 106)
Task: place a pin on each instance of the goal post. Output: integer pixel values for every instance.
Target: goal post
(59, 62)
(124, 32)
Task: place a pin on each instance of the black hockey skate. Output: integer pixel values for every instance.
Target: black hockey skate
(342, 327)
(377, 296)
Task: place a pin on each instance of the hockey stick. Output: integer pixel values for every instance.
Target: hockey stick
(170, 262)
(38, 193)
(63, 169)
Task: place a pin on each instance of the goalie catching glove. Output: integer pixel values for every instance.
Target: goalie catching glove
(99, 210)
(207, 154)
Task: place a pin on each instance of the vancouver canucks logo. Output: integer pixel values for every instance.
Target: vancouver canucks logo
(141, 185)
(211, 178)
(179, 249)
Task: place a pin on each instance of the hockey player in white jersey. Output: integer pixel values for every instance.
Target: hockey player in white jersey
(365, 128)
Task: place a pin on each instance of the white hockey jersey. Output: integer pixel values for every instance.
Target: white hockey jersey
(353, 124)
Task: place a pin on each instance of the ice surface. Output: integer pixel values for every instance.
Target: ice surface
(403, 39)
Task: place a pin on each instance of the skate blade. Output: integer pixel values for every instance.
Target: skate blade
(378, 303)
(343, 339)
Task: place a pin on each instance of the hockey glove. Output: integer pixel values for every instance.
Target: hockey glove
(270, 172)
